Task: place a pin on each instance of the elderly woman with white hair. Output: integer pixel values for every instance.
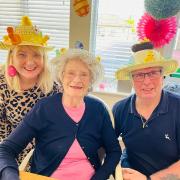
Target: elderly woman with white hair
(69, 127)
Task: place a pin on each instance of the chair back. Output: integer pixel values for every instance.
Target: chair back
(25, 161)
(118, 173)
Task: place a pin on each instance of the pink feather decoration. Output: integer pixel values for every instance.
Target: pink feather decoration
(159, 32)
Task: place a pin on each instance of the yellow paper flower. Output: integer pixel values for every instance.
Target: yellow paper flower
(98, 59)
(63, 51)
(144, 40)
(149, 57)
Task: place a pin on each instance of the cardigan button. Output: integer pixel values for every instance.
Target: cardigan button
(88, 157)
(77, 124)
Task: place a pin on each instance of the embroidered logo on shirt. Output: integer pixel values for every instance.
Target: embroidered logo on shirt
(167, 137)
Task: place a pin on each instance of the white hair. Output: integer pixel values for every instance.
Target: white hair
(94, 66)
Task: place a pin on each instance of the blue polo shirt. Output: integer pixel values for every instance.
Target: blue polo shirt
(156, 145)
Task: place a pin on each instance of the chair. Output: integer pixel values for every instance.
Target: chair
(30, 176)
(118, 173)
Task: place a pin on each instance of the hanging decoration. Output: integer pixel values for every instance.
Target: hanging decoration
(159, 32)
(60, 52)
(79, 45)
(81, 7)
(161, 9)
(131, 22)
(102, 86)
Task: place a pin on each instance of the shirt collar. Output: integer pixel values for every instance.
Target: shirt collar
(160, 109)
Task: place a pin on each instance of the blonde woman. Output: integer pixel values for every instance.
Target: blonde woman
(25, 78)
(69, 127)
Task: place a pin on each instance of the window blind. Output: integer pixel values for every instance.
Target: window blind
(51, 17)
(114, 35)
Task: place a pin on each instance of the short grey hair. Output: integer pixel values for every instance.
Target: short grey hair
(94, 66)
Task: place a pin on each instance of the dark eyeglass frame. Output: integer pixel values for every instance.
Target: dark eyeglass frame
(139, 77)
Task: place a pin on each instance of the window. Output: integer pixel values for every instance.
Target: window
(115, 35)
(52, 17)
(172, 82)
(176, 50)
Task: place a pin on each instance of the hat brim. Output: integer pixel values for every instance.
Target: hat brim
(4, 46)
(169, 66)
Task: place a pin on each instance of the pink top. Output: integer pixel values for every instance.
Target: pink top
(75, 164)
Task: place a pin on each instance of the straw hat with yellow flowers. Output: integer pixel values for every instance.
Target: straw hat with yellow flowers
(145, 56)
(24, 34)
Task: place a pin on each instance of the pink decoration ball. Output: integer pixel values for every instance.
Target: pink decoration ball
(159, 32)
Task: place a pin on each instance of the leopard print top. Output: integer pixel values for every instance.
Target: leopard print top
(14, 106)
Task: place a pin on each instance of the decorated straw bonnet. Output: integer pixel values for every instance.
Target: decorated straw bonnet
(24, 34)
(144, 59)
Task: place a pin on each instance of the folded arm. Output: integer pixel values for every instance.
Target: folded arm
(12, 146)
(10, 149)
(172, 172)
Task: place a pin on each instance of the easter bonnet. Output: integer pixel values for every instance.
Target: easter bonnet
(24, 34)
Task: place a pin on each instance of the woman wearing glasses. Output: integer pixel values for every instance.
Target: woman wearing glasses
(149, 120)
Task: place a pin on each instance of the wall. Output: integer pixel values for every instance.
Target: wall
(110, 98)
(79, 28)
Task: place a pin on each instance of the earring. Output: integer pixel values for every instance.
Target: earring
(11, 71)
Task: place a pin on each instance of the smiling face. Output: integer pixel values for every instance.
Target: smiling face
(148, 82)
(76, 78)
(28, 61)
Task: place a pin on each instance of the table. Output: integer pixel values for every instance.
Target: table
(32, 176)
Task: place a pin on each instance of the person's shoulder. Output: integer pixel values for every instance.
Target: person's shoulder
(3, 82)
(46, 106)
(95, 100)
(122, 103)
(57, 87)
(2, 77)
(49, 100)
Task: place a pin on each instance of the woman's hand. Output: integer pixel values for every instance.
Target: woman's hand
(131, 174)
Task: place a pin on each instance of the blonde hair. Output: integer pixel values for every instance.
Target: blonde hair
(45, 81)
(94, 66)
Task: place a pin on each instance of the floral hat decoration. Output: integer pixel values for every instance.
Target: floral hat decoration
(145, 56)
(24, 34)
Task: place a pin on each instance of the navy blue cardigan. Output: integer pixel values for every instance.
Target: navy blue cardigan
(55, 132)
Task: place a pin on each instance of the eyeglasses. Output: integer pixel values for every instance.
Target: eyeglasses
(72, 75)
(139, 77)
